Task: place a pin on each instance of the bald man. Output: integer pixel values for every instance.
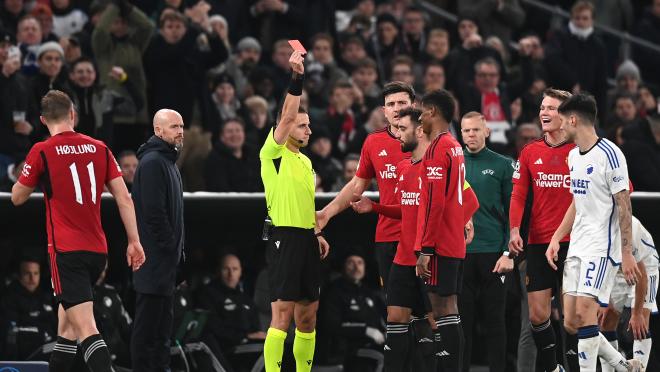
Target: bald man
(158, 197)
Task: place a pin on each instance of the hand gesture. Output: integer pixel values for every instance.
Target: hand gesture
(296, 62)
(469, 232)
(638, 325)
(362, 205)
(503, 265)
(551, 254)
(515, 241)
(630, 270)
(422, 267)
(135, 255)
(324, 247)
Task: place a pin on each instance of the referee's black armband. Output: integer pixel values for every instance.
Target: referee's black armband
(428, 251)
(320, 233)
(296, 84)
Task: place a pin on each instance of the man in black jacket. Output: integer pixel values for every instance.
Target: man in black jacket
(158, 196)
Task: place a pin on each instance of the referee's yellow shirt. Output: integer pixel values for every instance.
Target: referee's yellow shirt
(288, 179)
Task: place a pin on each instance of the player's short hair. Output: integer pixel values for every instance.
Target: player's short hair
(398, 87)
(442, 101)
(413, 113)
(582, 105)
(474, 114)
(301, 110)
(55, 105)
(580, 6)
(558, 94)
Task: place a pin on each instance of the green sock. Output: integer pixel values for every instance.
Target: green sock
(303, 350)
(273, 349)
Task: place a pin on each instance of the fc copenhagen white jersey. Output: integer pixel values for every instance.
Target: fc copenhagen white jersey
(643, 248)
(596, 176)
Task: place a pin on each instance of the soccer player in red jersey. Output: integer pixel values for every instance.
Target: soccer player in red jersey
(439, 239)
(542, 168)
(406, 292)
(72, 170)
(381, 152)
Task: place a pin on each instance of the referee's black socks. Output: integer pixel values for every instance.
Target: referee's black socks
(544, 338)
(96, 354)
(396, 346)
(63, 355)
(451, 342)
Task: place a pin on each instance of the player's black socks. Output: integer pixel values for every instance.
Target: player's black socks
(63, 355)
(396, 347)
(450, 348)
(544, 338)
(572, 352)
(96, 354)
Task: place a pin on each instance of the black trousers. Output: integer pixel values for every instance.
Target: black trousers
(484, 298)
(152, 330)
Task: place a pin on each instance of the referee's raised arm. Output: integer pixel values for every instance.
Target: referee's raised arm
(292, 101)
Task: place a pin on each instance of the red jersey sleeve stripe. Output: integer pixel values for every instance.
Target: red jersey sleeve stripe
(428, 211)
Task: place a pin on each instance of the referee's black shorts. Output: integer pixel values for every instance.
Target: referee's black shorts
(294, 264)
(539, 274)
(406, 289)
(73, 275)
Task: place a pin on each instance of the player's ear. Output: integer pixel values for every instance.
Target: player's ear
(487, 131)
(42, 120)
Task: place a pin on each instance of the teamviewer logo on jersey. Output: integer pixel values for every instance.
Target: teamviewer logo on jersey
(434, 173)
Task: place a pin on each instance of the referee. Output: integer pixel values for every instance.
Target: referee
(296, 246)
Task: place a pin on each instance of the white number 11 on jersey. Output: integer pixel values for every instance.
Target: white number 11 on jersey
(76, 181)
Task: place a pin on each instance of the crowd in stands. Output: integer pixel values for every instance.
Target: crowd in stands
(223, 66)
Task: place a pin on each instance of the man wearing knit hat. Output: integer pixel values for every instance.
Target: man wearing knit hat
(239, 66)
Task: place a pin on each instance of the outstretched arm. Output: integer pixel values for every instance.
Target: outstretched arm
(292, 100)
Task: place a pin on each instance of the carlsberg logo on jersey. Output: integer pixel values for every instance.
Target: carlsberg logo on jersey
(389, 172)
(409, 198)
(552, 180)
(75, 150)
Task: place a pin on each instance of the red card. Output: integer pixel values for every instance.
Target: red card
(297, 45)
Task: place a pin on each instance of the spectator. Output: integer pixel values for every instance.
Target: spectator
(647, 102)
(402, 70)
(496, 18)
(648, 28)
(15, 128)
(10, 14)
(272, 20)
(628, 81)
(461, 60)
(352, 52)
(350, 318)
(118, 42)
(577, 59)
(93, 102)
(351, 162)
(375, 122)
(280, 70)
(437, 47)
(175, 63)
(218, 24)
(29, 38)
(617, 15)
(67, 19)
(128, 163)
(262, 83)
(8, 180)
(221, 104)
(240, 65)
(525, 133)
(434, 77)
(625, 110)
(234, 319)
(51, 75)
(84, 36)
(232, 165)
(44, 15)
(414, 32)
(323, 73)
(643, 157)
(339, 119)
(386, 43)
(365, 78)
(28, 314)
(259, 121)
(112, 321)
(320, 153)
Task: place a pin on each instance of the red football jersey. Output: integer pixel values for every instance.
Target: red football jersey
(408, 189)
(72, 170)
(440, 216)
(545, 168)
(380, 154)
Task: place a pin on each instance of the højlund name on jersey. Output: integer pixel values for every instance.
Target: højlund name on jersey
(87, 148)
(409, 198)
(389, 172)
(580, 187)
(552, 180)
